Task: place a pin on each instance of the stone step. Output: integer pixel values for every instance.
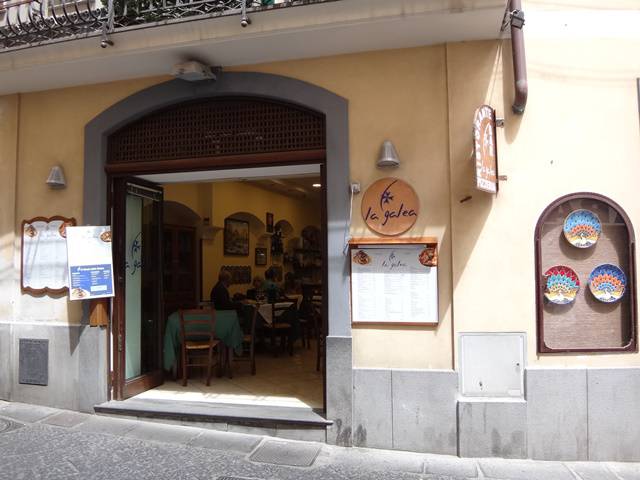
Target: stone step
(285, 422)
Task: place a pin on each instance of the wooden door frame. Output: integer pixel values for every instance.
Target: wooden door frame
(121, 388)
(243, 162)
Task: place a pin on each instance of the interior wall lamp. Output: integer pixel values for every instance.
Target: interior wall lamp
(388, 155)
(56, 179)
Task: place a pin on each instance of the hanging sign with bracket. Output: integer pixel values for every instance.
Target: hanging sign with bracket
(485, 149)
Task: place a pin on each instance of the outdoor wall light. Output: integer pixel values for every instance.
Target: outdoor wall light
(56, 178)
(388, 155)
(193, 71)
(515, 18)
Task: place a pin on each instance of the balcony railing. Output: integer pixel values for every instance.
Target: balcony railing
(27, 23)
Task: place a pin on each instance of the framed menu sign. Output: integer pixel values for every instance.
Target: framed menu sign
(394, 283)
(44, 255)
(90, 262)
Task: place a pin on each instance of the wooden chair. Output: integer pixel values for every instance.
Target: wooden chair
(249, 338)
(306, 317)
(197, 334)
(280, 328)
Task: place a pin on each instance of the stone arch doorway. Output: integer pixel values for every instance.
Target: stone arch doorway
(268, 88)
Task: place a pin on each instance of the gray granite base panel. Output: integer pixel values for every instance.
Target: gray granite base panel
(492, 429)
(372, 412)
(339, 390)
(6, 372)
(424, 411)
(614, 413)
(557, 414)
(62, 388)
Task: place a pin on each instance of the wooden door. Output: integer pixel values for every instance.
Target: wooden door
(180, 269)
(138, 304)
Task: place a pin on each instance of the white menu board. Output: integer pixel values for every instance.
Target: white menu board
(44, 254)
(394, 284)
(90, 262)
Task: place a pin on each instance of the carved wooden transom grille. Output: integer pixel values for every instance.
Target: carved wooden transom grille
(217, 127)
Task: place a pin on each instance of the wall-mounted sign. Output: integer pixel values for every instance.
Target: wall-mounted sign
(90, 262)
(390, 206)
(44, 255)
(395, 284)
(484, 149)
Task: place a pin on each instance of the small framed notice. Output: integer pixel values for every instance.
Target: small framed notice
(394, 283)
(44, 255)
(90, 262)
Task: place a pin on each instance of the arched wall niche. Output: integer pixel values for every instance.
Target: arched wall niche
(586, 324)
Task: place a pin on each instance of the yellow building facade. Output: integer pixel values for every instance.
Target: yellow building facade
(579, 133)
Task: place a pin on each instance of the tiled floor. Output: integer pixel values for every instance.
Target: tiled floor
(282, 381)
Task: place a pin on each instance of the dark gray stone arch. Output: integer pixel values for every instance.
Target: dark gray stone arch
(275, 87)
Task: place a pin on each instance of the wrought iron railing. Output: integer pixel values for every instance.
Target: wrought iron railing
(26, 23)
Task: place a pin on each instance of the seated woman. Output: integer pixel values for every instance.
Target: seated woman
(257, 283)
(220, 293)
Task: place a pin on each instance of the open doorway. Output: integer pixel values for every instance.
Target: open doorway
(263, 226)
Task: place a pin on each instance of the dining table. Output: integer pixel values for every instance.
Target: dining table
(265, 313)
(227, 330)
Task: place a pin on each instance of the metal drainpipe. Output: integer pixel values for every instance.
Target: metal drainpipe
(519, 64)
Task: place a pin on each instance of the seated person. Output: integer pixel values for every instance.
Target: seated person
(257, 287)
(270, 287)
(291, 285)
(220, 293)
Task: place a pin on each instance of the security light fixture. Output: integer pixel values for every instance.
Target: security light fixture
(56, 178)
(244, 20)
(388, 155)
(515, 18)
(192, 71)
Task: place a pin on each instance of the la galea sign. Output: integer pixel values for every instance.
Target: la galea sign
(390, 206)
(484, 148)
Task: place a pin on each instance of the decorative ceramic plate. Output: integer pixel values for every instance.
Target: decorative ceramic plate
(562, 285)
(582, 228)
(607, 283)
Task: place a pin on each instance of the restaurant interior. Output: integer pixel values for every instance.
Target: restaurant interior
(251, 250)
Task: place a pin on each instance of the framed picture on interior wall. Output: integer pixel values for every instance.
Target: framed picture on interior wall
(236, 237)
(261, 256)
(269, 222)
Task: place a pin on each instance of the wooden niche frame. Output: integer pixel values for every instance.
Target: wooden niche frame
(66, 221)
(585, 325)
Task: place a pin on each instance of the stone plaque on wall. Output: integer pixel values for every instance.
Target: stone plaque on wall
(33, 366)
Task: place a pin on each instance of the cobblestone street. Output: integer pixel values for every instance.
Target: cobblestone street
(44, 443)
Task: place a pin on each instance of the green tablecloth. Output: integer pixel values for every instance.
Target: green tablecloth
(227, 330)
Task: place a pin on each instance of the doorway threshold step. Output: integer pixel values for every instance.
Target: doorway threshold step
(209, 412)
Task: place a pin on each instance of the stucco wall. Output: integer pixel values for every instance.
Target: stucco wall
(51, 132)
(580, 132)
(228, 199)
(399, 95)
(9, 107)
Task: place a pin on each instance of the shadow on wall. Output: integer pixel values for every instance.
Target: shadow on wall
(477, 73)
